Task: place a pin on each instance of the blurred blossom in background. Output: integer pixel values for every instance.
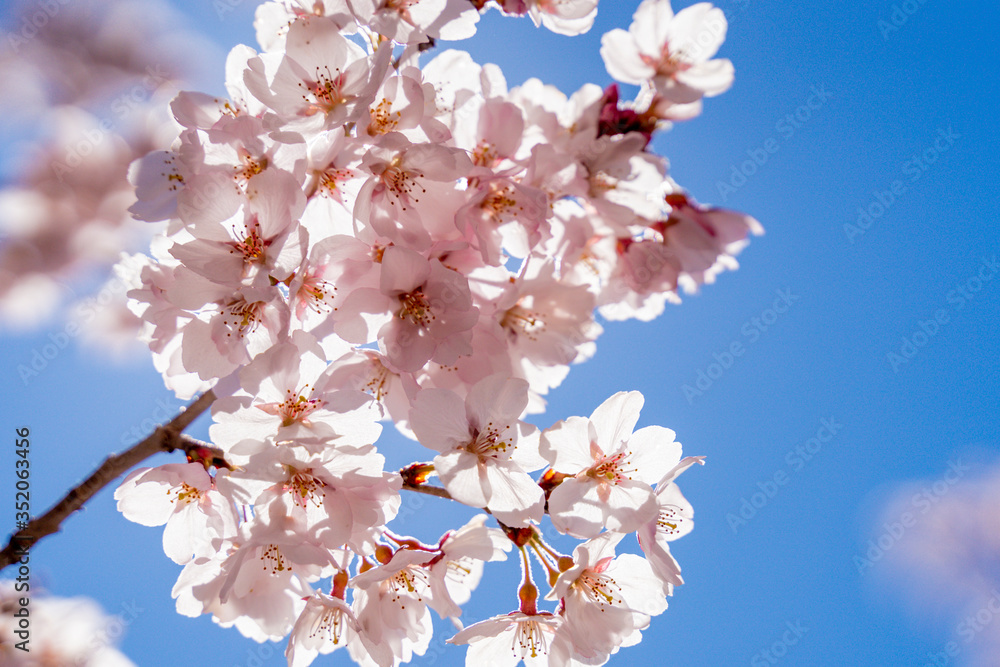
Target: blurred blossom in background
(64, 631)
(936, 547)
(85, 91)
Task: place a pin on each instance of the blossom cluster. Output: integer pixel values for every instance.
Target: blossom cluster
(354, 237)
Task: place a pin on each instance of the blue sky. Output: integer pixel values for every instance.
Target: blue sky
(811, 427)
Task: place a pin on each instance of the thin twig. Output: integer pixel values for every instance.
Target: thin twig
(166, 438)
(429, 490)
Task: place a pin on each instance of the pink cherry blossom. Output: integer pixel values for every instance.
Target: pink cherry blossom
(457, 571)
(339, 496)
(607, 600)
(423, 311)
(485, 450)
(402, 175)
(701, 236)
(565, 17)
(184, 498)
(610, 467)
(413, 21)
(672, 522)
(286, 396)
(390, 603)
(548, 324)
(320, 75)
(257, 583)
(508, 640)
(672, 52)
(326, 624)
(259, 244)
(503, 216)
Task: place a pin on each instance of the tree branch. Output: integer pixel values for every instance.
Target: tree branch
(165, 438)
(414, 478)
(429, 490)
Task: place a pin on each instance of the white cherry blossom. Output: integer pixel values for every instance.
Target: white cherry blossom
(566, 17)
(423, 311)
(286, 396)
(510, 639)
(258, 581)
(320, 75)
(674, 520)
(607, 600)
(672, 52)
(610, 468)
(413, 21)
(390, 603)
(485, 450)
(182, 497)
(326, 624)
(457, 571)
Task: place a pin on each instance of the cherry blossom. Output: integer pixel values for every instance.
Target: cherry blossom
(566, 17)
(672, 522)
(607, 600)
(610, 468)
(403, 174)
(258, 244)
(700, 237)
(504, 215)
(391, 608)
(548, 323)
(273, 19)
(413, 21)
(182, 497)
(326, 624)
(339, 496)
(258, 581)
(456, 572)
(424, 311)
(286, 396)
(485, 450)
(321, 75)
(513, 638)
(672, 52)
(368, 371)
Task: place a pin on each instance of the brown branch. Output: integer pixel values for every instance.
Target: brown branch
(166, 438)
(414, 478)
(429, 490)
